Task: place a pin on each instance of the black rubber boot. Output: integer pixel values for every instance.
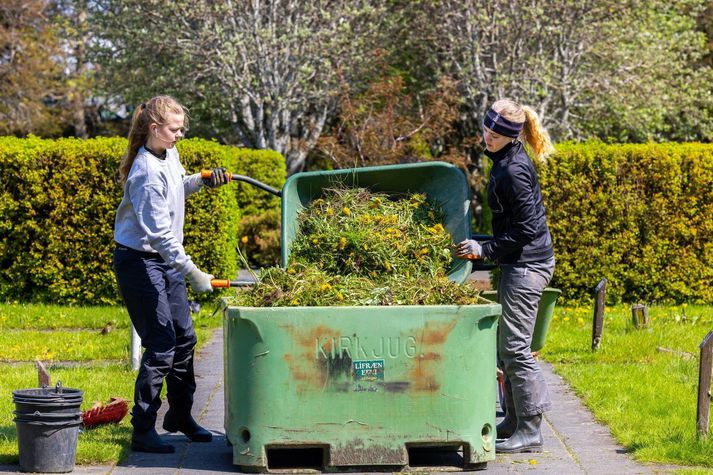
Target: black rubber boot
(506, 427)
(151, 442)
(526, 438)
(187, 425)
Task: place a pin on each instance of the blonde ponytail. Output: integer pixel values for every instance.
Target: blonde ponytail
(533, 134)
(536, 136)
(154, 110)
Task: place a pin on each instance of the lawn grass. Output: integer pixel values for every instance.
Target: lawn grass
(47, 317)
(641, 383)
(69, 341)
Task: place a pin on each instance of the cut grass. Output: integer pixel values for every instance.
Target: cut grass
(69, 341)
(641, 383)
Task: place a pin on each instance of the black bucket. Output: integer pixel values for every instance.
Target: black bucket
(47, 422)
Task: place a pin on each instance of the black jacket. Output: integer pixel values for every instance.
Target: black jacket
(520, 231)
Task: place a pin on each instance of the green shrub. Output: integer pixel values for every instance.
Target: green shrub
(58, 200)
(260, 238)
(638, 215)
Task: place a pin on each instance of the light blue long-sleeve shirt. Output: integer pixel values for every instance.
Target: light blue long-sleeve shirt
(151, 214)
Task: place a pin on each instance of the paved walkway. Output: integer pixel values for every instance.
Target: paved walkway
(574, 442)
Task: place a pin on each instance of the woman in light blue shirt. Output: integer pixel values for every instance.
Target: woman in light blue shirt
(151, 267)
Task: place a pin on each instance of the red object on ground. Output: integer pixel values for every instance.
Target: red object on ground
(105, 413)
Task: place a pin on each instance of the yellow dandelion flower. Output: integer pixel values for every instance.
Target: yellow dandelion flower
(566, 319)
(315, 241)
(342, 243)
(533, 462)
(580, 320)
(295, 301)
(329, 211)
(340, 296)
(325, 287)
(244, 239)
(291, 271)
(346, 211)
(366, 247)
(387, 265)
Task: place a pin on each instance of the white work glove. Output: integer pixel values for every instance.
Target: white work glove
(469, 249)
(199, 280)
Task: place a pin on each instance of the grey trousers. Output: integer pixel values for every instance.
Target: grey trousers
(519, 293)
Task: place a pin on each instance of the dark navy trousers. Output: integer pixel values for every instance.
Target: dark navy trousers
(157, 302)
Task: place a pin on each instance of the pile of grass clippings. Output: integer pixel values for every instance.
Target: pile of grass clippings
(356, 247)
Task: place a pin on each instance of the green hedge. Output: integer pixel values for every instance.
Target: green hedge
(639, 215)
(58, 200)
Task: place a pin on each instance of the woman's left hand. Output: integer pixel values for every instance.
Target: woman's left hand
(218, 177)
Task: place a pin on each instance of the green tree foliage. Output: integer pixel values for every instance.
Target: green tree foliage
(30, 78)
(263, 73)
(626, 70)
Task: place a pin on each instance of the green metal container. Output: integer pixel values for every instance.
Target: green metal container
(545, 309)
(441, 182)
(362, 385)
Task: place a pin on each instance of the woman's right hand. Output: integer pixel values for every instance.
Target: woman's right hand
(200, 281)
(218, 177)
(469, 249)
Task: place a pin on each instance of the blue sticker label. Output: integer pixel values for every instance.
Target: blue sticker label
(368, 370)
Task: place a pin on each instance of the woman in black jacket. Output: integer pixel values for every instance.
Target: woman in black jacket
(522, 247)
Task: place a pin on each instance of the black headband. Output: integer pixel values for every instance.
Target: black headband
(500, 125)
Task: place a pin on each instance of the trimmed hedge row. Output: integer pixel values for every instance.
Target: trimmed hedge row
(58, 200)
(639, 215)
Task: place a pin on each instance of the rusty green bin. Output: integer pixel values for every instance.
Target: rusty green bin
(359, 386)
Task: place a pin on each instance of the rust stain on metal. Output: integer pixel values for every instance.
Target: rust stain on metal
(424, 377)
(424, 374)
(355, 452)
(437, 333)
(309, 371)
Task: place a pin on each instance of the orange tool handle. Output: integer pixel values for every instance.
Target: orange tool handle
(207, 173)
(221, 283)
(226, 284)
(470, 256)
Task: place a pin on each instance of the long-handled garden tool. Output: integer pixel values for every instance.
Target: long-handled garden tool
(235, 177)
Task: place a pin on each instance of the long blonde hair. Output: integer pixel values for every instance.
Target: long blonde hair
(155, 110)
(533, 133)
